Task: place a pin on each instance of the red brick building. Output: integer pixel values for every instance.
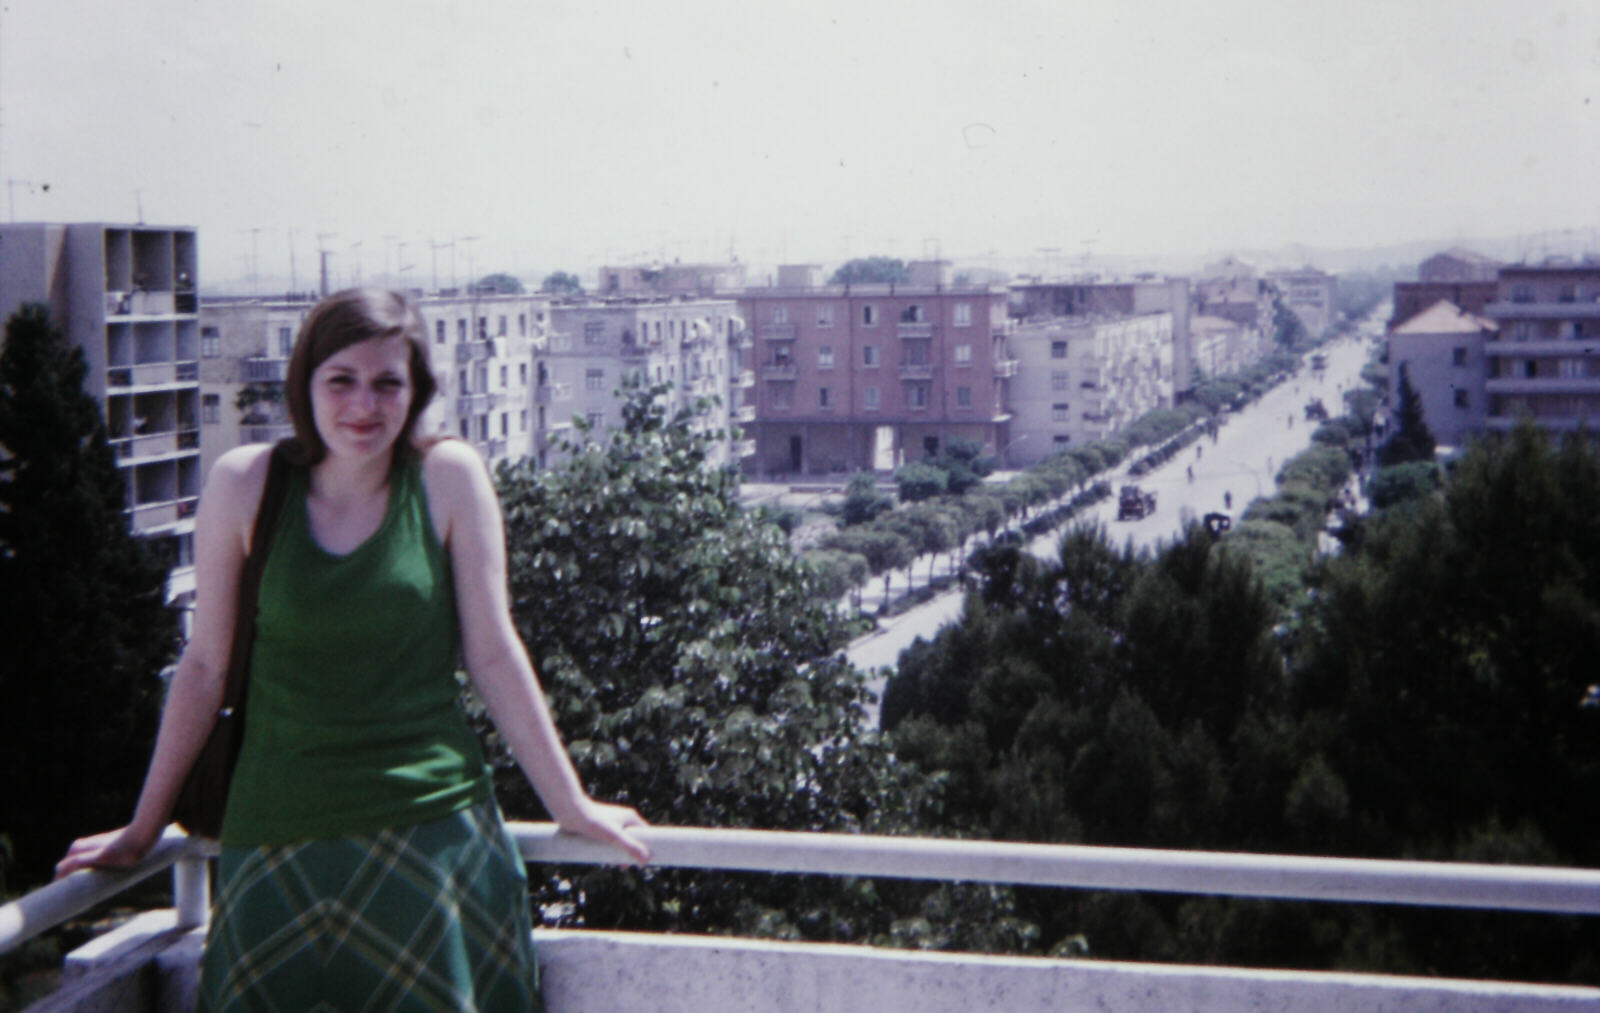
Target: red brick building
(869, 377)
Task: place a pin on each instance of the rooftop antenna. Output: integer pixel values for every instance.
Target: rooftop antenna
(436, 248)
(322, 256)
(292, 280)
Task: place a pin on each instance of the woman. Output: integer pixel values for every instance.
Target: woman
(364, 861)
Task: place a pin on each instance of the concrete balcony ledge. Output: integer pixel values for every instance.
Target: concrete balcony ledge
(1543, 385)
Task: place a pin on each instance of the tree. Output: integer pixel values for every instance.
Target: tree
(500, 284)
(561, 283)
(83, 614)
(693, 666)
(1412, 440)
(862, 501)
(919, 481)
(871, 270)
(1287, 330)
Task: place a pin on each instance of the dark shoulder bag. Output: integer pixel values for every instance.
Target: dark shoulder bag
(204, 795)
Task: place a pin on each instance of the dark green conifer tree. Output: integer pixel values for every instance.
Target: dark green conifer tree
(83, 618)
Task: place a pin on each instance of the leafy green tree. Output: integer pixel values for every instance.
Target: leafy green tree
(871, 270)
(919, 481)
(83, 613)
(1399, 483)
(500, 284)
(837, 572)
(1287, 330)
(561, 283)
(862, 501)
(1412, 440)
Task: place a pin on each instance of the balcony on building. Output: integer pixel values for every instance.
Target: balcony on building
(151, 961)
(473, 351)
(743, 378)
(1526, 308)
(916, 371)
(778, 332)
(1006, 368)
(471, 404)
(914, 329)
(265, 369)
(745, 413)
(779, 371)
(744, 448)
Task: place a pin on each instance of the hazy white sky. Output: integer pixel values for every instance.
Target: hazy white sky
(565, 134)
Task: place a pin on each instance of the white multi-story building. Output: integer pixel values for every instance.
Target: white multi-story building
(1084, 378)
(597, 346)
(125, 294)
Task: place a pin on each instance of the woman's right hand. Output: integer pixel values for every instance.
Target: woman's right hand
(114, 849)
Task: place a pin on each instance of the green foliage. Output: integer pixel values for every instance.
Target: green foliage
(919, 481)
(692, 665)
(561, 283)
(862, 501)
(836, 572)
(1287, 330)
(871, 271)
(1402, 482)
(252, 394)
(1412, 439)
(500, 284)
(83, 615)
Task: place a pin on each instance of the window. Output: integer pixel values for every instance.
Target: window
(963, 397)
(1059, 413)
(522, 421)
(963, 314)
(872, 401)
(522, 373)
(1458, 356)
(822, 397)
(466, 433)
(824, 316)
(285, 342)
(594, 331)
(913, 315)
(1461, 398)
(869, 315)
(522, 328)
(869, 355)
(780, 314)
(594, 379)
(825, 357)
(438, 332)
(210, 408)
(1059, 380)
(778, 395)
(1061, 440)
(461, 334)
(1522, 331)
(963, 355)
(483, 333)
(210, 343)
(1058, 349)
(462, 385)
(596, 419)
(917, 395)
(502, 325)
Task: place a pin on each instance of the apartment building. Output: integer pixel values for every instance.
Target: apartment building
(125, 294)
(598, 345)
(1441, 351)
(1466, 279)
(1141, 296)
(1220, 346)
(1309, 294)
(1544, 361)
(482, 347)
(1085, 377)
(869, 377)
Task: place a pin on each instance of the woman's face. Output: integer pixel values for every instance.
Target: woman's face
(361, 395)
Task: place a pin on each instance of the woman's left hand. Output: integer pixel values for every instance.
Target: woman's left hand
(609, 824)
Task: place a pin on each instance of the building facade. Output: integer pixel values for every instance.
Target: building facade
(596, 347)
(1084, 378)
(1310, 295)
(1544, 361)
(1141, 296)
(125, 295)
(1441, 351)
(870, 377)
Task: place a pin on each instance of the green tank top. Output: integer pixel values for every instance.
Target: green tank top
(352, 721)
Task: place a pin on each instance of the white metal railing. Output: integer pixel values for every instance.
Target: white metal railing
(1552, 890)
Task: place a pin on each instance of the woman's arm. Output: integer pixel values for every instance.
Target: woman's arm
(462, 497)
(222, 531)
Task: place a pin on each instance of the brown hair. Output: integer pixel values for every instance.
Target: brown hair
(334, 324)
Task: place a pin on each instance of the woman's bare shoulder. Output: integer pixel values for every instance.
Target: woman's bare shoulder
(240, 474)
(452, 467)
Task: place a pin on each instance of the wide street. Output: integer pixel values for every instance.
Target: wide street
(1242, 461)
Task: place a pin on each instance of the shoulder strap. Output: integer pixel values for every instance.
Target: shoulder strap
(244, 622)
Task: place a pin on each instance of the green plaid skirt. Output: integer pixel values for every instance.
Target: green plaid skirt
(424, 918)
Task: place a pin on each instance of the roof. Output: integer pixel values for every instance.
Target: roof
(1445, 317)
(1470, 256)
(1203, 322)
